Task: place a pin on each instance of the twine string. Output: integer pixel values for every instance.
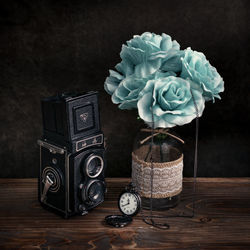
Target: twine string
(157, 132)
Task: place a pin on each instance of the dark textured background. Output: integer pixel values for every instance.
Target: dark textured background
(54, 46)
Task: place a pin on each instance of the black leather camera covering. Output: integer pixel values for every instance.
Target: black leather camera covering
(69, 117)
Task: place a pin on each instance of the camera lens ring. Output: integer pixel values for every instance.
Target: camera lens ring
(86, 196)
(87, 164)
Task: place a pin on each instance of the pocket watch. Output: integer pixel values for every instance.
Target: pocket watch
(129, 203)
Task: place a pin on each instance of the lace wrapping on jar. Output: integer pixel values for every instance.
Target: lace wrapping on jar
(167, 177)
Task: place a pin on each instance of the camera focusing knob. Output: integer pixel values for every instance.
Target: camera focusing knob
(47, 185)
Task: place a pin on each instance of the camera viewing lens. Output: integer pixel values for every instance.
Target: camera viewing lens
(94, 165)
(96, 192)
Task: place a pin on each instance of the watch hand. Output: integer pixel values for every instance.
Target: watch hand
(125, 205)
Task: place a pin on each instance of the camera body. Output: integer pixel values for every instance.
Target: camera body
(72, 155)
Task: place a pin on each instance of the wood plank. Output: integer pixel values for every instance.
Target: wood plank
(222, 220)
(115, 180)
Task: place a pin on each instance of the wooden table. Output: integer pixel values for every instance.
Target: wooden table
(222, 220)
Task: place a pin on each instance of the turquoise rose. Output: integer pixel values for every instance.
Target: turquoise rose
(196, 67)
(143, 56)
(113, 81)
(127, 93)
(171, 102)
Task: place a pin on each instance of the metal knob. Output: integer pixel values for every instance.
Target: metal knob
(48, 183)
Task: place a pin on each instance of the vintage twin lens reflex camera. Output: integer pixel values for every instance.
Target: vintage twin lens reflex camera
(72, 161)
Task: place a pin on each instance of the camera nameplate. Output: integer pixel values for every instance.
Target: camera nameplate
(88, 142)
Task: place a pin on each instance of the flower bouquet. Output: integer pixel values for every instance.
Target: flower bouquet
(168, 86)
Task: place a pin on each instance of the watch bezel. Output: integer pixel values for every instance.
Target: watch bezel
(138, 199)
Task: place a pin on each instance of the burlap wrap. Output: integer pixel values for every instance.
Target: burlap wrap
(167, 176)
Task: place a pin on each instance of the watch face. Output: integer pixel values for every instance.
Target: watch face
(129, 203)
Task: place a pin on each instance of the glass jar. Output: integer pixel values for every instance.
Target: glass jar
(157, 166)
